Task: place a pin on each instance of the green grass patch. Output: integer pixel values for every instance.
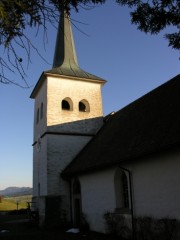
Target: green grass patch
(12, 203)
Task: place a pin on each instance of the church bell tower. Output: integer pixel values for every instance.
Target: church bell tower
(67, 114)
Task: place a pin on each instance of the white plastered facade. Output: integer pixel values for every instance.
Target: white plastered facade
(154, 190)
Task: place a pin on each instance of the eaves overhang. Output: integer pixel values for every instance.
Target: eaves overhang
(77, 77)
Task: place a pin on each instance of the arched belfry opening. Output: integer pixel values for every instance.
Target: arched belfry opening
(67, 104)
(37, 116)
(77, 212)
(84, 106)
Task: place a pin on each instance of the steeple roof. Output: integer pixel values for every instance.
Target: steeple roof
(65, 59)
(65, 52)
(65, 62)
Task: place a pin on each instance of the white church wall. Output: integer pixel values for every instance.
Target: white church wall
(155, 182)
(39, 152)
(41, 207)
(40, 169)
(35, 173)
(155, 190)
(61, 149)
(98, 198)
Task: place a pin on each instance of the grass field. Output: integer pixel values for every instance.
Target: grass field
(12, 203)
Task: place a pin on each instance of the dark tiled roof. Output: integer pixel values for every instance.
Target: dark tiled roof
(149, 124)
(74, 71)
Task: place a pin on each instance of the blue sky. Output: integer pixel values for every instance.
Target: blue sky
(132, 62)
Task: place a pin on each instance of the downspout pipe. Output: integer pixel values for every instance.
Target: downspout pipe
(131, 200)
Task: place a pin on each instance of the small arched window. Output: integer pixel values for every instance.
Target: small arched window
(67, 104)
(125, 190)
(84, 106)
(121, 189)
(42, 111)
(37, 116)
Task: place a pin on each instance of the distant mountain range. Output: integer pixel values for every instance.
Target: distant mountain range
(16, 191)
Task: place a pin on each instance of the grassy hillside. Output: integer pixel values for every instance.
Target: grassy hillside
(7, 204)
(16, 191)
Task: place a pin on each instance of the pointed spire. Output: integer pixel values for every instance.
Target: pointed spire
(65, 52)
(65, 60)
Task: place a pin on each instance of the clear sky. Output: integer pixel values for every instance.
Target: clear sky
(132, 62)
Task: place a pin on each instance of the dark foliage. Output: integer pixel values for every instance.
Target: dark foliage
(15, 16)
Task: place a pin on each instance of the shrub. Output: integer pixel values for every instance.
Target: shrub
(148, 228)
(117, 225)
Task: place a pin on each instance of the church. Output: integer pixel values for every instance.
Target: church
(88, 167)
